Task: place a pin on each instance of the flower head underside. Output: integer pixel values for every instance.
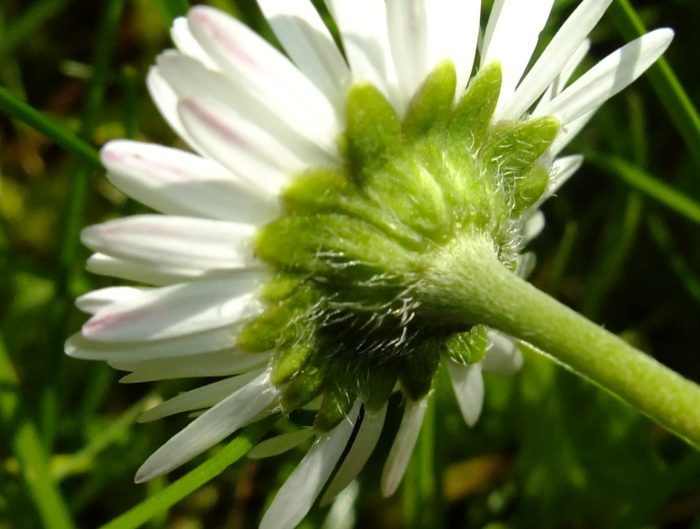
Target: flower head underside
(296, 244)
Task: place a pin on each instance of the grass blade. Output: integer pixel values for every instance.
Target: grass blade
(28, 448)
(174, 8)
(62, 136)
(680, 266)
(212, 467)
(25, 26)
(648, 185)
(664, 80)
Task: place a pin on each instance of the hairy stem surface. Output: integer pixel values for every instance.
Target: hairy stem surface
(489, 293)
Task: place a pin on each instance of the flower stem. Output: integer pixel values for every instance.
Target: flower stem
(469, 284)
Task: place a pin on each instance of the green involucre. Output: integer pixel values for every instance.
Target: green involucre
(345, 317)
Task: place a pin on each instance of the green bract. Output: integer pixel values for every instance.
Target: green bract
(345, 314)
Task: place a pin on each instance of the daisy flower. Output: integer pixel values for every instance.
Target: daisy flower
(325, 192)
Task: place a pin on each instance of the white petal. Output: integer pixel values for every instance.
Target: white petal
(401, 450)
(78, 346)
(609, 76)
(342, 514)
(149, 274)
(297, 495)
(189, 78)
(362, 447)
(569, 131)
(533, 225)
(570, 66)
(240, 145)
(180, 183)
(187, 44)
(309, 44)
(503, 356)
(199, 398)
(570, 36)
(526, 266)
(178, 310)
(178, 242)
(511, 35)
(424, 33)
(166, 100)
(408, 34)
(559, 83)
(468, 384)
(562, 170)
(363, 30)
(215, 364)
(281, 443)
(211, 427)
(456, 27)
(94, 301)
(267, 75)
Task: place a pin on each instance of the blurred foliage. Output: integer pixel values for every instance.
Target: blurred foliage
(551, 451)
